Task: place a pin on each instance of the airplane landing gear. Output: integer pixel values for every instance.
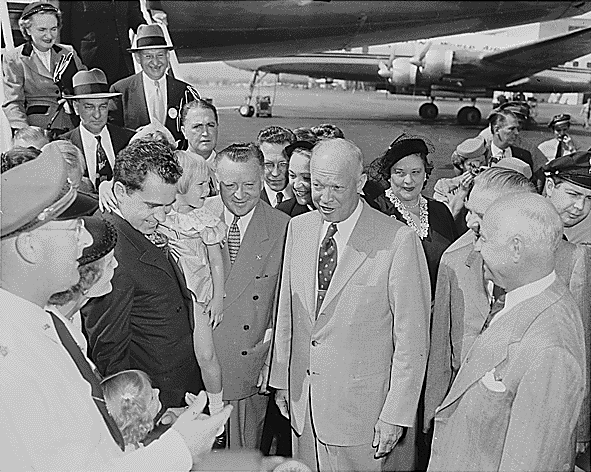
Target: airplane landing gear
(246, 111)
(428, 111)
(469, 116)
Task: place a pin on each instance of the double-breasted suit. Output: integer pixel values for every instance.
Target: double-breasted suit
(146, 322)
(130, 110)
(462, 306)
(515, 402)
(30, 94)
(363, 357)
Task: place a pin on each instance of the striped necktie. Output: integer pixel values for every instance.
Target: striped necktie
(234, 239)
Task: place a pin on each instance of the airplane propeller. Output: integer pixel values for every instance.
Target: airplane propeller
(385, 68)
(419, 59)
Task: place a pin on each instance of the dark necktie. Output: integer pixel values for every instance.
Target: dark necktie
(103, 166)
(559, 149)
(279, 197)
(160, 240)
(89, 375)
(327, 263)
(497, 305)
(234, 239)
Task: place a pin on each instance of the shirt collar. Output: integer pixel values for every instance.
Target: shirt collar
(161, 80)
(104, 134)
(345, 227)
(41, 53)
(243, 222)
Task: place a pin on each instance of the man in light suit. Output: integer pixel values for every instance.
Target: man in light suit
(94, 137)
(515, 402)
(463, 298)
(150, 95)
(349, 358)
(252, 264)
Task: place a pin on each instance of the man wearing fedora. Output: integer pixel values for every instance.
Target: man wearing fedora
(48, 417)
(99, 142)
(562, 143)
(150, 95)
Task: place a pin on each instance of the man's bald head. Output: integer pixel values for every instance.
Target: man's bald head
(336, 169)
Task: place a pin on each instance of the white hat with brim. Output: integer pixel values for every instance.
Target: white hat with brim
(149, 37)
(90, 84)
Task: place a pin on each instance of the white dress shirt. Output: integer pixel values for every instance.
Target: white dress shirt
(150, 91)
(272, 194)
(89, 144)
(45, 58)
(525, 292)
(499, 153)
(242, 223)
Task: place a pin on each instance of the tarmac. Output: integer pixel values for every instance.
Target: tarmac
(372, 119)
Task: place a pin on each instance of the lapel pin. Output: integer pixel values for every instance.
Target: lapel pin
(259, 257)
(3, 351)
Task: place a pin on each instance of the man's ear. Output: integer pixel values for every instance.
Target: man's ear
(549, 187)
(517, 248)
(119, 190)
(361, 183)
(76, 107)
(27, 247)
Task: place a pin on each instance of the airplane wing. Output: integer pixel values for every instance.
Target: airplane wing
(537, 56)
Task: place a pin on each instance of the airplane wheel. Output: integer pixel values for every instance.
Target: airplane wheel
(428, 111)
(469, 116)
(246, 111)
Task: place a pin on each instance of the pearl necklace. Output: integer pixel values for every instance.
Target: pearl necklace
(423, 231)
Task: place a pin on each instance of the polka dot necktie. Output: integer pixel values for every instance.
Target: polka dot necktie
(104, 170)
(327, 263)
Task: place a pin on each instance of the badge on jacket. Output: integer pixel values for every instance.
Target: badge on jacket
(173, 113)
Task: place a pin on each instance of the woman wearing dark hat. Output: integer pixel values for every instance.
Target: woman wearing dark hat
(38, 71)
(404, 167)
(96, 268)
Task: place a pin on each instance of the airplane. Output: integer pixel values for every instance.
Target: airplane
(441, 69)
(226, 30)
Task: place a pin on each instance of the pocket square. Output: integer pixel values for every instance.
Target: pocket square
(493, 384)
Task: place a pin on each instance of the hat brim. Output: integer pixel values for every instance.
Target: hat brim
(84, 205)
(94, 95)
(156, 46)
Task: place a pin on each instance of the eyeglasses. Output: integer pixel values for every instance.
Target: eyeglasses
(78, 228)
(270, 166)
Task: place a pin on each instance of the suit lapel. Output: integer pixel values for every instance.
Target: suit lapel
(77, 141)
(353, 255)
(34, 63)
(490, 348)
(138, 96)
(306, 246)
(475, 289)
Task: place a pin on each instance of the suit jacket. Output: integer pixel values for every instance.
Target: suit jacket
(99, 30)
(462, 306)
(364, 357)
(119, 138)
(241, 340)
(523, 414)
(30, 94)
(146, 322)
(292, 208)
(131, 110)
(550, 148)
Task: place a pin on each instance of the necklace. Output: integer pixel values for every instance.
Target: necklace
(411, 206)
(423, 230)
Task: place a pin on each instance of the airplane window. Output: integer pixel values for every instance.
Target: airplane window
(588, 65)
(576, 64)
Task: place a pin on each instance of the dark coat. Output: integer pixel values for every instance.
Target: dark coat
(98, 30)
(119, 138)
(131, 110)
(146, 322)
(291, 207)
(442, 231)
(524, 155)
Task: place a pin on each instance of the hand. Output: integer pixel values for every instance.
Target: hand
(159, 16)
(107, 200)
(199, 430)
(385, 437)
(263, 381)
(172, 414)
(216, 312)
(282, 401)
(582, 447)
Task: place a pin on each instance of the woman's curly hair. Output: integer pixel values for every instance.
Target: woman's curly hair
(127, 396)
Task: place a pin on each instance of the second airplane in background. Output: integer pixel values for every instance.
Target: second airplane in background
(440, 69)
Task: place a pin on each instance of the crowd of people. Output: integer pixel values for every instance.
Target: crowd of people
(162, 298)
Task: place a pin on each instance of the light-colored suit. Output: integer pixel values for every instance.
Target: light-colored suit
(462, 305)
(364, 356)
(523, 418)
(30, 95)
(250, 291)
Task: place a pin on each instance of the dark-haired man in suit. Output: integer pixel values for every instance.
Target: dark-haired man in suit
(146, 321)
